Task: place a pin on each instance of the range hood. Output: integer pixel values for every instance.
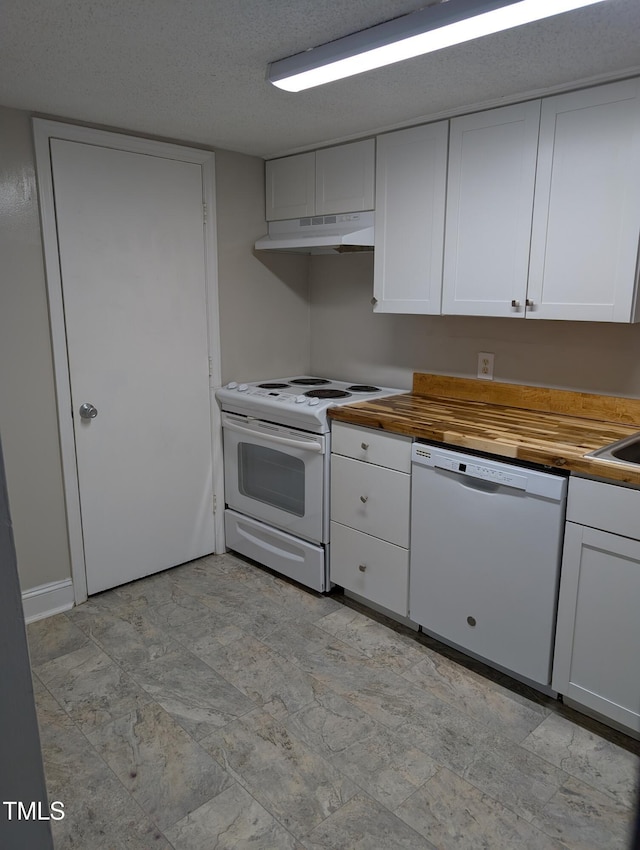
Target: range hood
(320, 234)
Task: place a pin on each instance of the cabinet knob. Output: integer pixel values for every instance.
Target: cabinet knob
(362, 567)
(374, 301)
(529, 302)
(364, 446)
(363, 499)
(515, 304)
(471, 621)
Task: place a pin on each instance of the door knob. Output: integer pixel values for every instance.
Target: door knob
(88, 411)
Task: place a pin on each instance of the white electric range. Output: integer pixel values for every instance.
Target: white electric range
(277, 447)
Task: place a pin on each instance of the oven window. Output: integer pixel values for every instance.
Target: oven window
(272, 477)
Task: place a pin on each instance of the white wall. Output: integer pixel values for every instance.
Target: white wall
(264, 298)
(349, 341)
(264, 314)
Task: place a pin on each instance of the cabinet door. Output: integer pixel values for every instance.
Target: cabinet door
(492, 167)
(598, 632)
(587, 208)
(410, 204)
(345, 178)
(290, 186)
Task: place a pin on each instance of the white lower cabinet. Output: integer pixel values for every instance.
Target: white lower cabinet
(370, 510)
(598, 630)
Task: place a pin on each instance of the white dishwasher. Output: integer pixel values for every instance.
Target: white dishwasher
(486, 543)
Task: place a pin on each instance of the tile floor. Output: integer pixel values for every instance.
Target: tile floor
(218, 707)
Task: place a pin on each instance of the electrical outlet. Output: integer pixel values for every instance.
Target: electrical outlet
(485, 365)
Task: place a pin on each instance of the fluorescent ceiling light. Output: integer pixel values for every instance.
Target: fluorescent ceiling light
(429, 29)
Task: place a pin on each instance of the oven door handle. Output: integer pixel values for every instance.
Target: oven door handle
(282, 441)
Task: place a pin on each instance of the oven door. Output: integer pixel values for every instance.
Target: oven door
(277, 474)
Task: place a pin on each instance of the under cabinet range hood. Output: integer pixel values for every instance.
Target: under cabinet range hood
(320, 234)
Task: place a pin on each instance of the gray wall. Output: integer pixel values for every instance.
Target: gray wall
(250, 292)
(22, 774)
(349, 341)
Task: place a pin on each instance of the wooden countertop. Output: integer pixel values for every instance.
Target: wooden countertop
(537, 424)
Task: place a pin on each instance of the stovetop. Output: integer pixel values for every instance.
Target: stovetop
(300, 401)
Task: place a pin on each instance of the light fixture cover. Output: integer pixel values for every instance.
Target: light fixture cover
(429, 29)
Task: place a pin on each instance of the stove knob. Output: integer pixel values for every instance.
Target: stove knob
(243, 388)
(232, 385)
(313, 401)
(300, 399)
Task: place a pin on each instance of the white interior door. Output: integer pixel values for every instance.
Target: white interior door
(132, 264)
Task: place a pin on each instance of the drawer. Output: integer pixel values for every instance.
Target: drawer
(371, 499)
(379, 447)
(605, 506)
(372, 568)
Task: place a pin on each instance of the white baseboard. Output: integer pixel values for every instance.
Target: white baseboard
(47, 600)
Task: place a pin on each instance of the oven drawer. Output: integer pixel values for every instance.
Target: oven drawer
(371, 446)
(371, 499)
(372, 568)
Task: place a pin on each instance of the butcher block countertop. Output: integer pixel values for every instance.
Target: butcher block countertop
(537, 424)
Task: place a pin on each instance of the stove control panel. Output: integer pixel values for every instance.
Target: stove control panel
(272, 395)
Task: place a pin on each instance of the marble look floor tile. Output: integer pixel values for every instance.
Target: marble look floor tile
(163, 768)
(506, 712)
(585, 819)
(182, 608)
(51, 714)
(388, 698)
(124, 633)
(90, 686)
(586, 756)
(68, 758)
(53, 637)
(456, 816)
(101, 815)
(231, 821)
(385, 766)
(218, 628)
(520, 780)
(267, 678)
(197, 697)
(295, 784)
(377, 641)
(450, 737)
(363, 824)
(330, 724)
(311, 648)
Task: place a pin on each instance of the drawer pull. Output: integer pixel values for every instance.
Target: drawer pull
(363, 499)
(364, 446)
(362, 567)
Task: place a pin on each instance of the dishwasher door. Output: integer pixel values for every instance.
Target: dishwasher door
(486, 541)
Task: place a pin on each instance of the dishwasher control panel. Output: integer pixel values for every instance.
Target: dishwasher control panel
(486, 473)
(498, 472)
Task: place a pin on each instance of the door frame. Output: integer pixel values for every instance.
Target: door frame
(43, 131)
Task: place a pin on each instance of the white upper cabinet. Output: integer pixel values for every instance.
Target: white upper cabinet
(586, 220)
(410, 207)
(291, 186)
(490, 191)
(345, 178)
(333, 180)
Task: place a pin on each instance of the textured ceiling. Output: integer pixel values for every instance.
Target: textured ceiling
(194, 70)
